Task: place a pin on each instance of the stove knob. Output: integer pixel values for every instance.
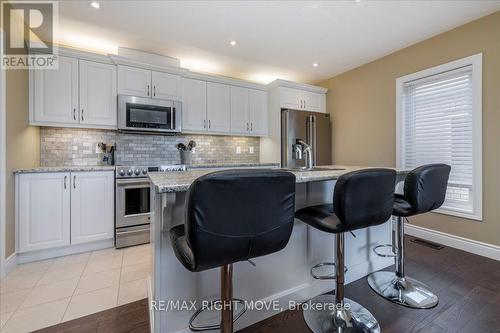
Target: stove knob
(121, 172)
(137, 172)
(130, 172)
(144, 171)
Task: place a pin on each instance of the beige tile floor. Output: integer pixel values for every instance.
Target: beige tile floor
(48, 292)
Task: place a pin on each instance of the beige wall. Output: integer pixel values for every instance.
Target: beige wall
(23, 143)
(363, 108)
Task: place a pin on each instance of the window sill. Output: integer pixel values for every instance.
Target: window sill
(465, 215)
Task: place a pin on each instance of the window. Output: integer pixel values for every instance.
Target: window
(439, 121)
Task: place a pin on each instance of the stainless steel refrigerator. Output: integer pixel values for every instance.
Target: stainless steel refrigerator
(314, 128)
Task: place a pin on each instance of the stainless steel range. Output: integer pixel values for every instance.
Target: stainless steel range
(132, 206)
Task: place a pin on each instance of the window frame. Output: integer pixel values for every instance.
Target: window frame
(477, 152)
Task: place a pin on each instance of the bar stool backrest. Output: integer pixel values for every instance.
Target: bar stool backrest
(364, 198)
(425, 187)
(237, 215)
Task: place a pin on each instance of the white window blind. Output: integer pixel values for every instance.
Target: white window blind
(438, 127)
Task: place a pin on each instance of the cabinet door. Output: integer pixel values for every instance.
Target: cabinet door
(98, 94)
(194, 105)
(257, 101)
(311, 101)
(92, 206)
(166, 86)
(134, 81)
(218, 107)
(240, 122)
(290, 98)
(55, 93)
(43, 210)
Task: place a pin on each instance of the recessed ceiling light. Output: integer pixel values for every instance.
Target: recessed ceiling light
(95, 4)
(232, 43)
(315, 64)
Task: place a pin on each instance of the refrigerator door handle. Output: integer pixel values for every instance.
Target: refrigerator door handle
(311, 135)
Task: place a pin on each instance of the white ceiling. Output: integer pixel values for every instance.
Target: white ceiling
(274, 38)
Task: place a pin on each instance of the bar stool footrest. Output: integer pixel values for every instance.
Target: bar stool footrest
(325, 277)
(380, 254)
(196, 328)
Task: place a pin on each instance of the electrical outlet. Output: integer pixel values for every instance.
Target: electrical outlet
(238, 150)
(250, 150)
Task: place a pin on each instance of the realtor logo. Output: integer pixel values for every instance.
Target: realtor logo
(29, 29)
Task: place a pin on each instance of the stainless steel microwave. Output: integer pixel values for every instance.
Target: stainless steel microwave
(139, 114)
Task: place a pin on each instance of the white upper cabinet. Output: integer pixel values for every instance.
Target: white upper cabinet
(257, 106)
(92, 206)
(312, 101)
(83, 91)
(248, 111)
(221, 108)
(134, 81)
(301, 100)
(290, 98)
(79, 93)
(194, 105)
(97, 94)
(43, 210)
(55, 93)
(145, 83)
(166, 86)
(240, 122)
(218, 107)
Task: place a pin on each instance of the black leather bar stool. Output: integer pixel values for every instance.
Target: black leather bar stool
(361, 199)
(234, 216)
(424, 191)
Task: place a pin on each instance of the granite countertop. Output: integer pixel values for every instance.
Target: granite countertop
(232, 165)
(179, 181)
(67, 169)
(108, 168)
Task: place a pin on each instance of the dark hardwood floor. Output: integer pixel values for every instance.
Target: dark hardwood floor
(468, 287)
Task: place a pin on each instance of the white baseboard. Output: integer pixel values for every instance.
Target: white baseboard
(8, 265)
(63, 251)
(483, 249)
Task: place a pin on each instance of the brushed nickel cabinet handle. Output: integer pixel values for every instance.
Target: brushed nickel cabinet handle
(148, 90)
(74, 181)
(74, 113)
(154, 91)
(204, 123)
(247, 127)
(209, 124)
(65, 177)
(251, 127)
(82, 115)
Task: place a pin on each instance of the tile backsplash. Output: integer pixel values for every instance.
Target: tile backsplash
(77, 147)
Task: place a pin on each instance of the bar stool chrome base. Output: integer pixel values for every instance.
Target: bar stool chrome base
(322, 316)
(402, 290)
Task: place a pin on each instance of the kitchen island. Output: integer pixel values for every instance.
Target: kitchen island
(283, 277)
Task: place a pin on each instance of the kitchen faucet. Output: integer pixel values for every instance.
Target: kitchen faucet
(309, 153)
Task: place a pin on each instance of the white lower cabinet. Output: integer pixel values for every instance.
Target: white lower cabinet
(92, 206)
(43, 204)
(62, 209)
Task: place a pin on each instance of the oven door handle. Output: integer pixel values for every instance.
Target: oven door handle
(132, 182)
